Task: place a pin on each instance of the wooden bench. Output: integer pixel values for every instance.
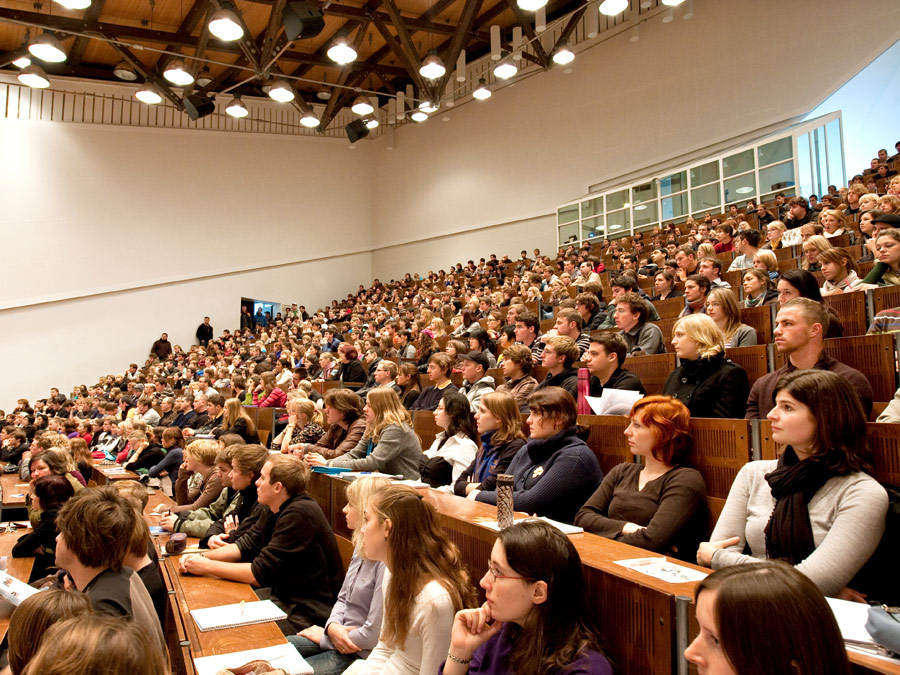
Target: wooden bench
(653, 370)
(753, 359)
(851, 310)
(761, 320)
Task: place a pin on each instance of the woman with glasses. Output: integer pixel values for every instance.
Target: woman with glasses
(535, 617)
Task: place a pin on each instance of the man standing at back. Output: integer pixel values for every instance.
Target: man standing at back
(204, 332)
(800, 329)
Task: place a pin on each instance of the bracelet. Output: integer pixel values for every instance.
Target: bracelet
(462, 662)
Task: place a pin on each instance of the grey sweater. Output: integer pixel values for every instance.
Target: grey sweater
(397, 452)
(847, 516)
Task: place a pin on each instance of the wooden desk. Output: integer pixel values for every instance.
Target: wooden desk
(11, 485)
(105, 473)
(20, 568)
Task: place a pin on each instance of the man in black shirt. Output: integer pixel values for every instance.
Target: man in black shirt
(604, 359)
(291, 549)
(204, 332)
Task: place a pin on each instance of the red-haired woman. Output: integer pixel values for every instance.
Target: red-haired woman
(658, 505)
(352, 374)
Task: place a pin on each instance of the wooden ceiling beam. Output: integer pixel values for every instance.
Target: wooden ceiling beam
(274, 28)
(528, 29)
(92, 13)
(149, 75)
(138, 34)
(10, 56)
(570, 27)
(404, 48)
(339, 95)
(413, 23)
(457, 42)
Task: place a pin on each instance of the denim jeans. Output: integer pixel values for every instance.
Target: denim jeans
(323, 661)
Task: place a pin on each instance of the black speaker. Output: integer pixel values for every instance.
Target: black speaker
(356, 129)
(302, 20)
(199, 105)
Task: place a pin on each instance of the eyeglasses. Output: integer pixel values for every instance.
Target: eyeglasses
(496, 575)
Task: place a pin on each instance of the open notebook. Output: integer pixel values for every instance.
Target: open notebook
(280, 656)
(239, 614)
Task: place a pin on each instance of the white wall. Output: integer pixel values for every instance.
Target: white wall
(116, 234)
(626, 106)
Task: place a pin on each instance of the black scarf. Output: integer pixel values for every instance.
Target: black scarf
(793, 483)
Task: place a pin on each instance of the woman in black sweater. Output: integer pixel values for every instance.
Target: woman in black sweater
(49, 494)
(352, 370)
(706, 382)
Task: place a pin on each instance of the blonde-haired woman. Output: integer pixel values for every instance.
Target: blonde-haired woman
(812, 247)
(438, 327)
(774, 231)
(722, 307)
(833, 222)
(706, 382)
(237, 421)
(352, 629)
(389, 444)
(425, 583)
(198, 483)
(766, 260)
(304, 426)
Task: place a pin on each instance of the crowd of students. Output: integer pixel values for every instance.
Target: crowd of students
(405, 605)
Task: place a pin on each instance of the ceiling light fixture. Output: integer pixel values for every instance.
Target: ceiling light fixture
(22, 62)
(419, 116)
(205, 77)
(340, 51)
(47, 48)
(149, 94)
(309, 120)
(323, 94)
(34, 76)
(613, 7)
(563, 55)
(361, 106)
(237, 108)
(124, 71)
(505, 69)
(672, 3)
(371, 123)
(531, 5)
(225, 24)
(281, 91)
(432, 67)
(75, 4)
(668, 17)
(482, 92)
(429, 107)
(178, 74)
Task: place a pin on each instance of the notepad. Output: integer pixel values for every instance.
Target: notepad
(565, 528)
(280, 656)
(231, 616)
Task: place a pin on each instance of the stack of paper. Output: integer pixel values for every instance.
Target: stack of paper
(238, 614)
(280, 656)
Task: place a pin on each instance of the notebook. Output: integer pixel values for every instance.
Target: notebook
(280, 656)
(238, 614)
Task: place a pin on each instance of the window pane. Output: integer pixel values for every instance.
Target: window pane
(618, 222)
(567, 214)
(643, 193)
(705, 198)
(592, 227)
(776, 151)
(778, 177)
(645, 214)
(820, 184)
(616, 200)
(740, 188)
(568, 233)
(739, 163)
(675, 207)
(803, 161)
(835, 153)
(674, 183)
(592, 207)
(700, 175)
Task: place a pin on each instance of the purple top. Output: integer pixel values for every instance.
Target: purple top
(493, 658)
(360, 603)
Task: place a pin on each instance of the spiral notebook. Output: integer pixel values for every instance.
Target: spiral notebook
(238, 614)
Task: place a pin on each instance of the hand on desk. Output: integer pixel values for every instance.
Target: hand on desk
(708, 548)
(471, 629)
(339, 636)
(218, 541)
(315, 459)
(168, 522)
(631, 528)
(194, 564)
(472, 494)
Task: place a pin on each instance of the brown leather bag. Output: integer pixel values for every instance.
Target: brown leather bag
(253, 668)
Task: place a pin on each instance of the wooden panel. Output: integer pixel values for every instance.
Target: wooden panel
(851, 310)
(768, 448)
(20, 568)
(425, 427)
(754, 360)
(884, 298)
(666, 326)
(734, 278)
(720, 448)
(760, 319)
(884, 440)
(652, 370)
(606, 439)
(265, 420)
(13, 490)
(670, 308)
